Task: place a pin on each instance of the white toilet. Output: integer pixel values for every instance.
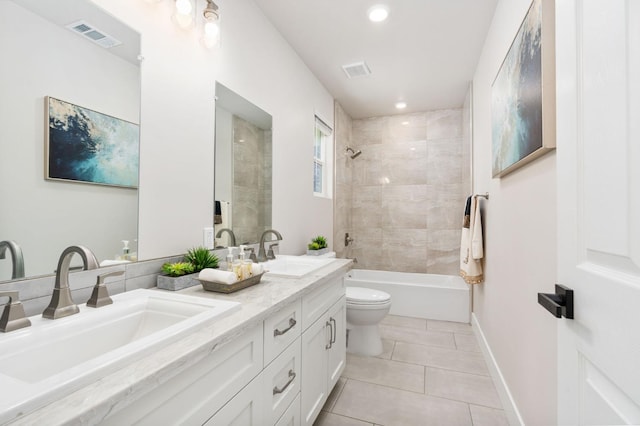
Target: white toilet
(365, 309)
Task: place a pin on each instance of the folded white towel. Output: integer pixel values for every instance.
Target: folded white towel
(217, 276)
(256, 268)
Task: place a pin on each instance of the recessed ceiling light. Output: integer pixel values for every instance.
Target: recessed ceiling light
(378, 13)
(401, 105)
(405, 123)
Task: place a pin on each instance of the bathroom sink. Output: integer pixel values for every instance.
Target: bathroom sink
(42, 363)
(294, 266)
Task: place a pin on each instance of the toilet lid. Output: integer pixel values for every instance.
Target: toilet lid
(366, 296)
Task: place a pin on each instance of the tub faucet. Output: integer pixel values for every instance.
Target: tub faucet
(232, 236)
(62, 304)
(262, 257)
(17, 259)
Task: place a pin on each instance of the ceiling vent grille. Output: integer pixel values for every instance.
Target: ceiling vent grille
(93, 34)
(358, 69)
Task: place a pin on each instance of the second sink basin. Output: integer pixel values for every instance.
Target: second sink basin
(295, 266)
(43, 362)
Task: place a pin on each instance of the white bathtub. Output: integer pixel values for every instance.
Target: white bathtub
(430, 296)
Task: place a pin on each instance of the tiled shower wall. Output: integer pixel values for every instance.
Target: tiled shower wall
(404, 196)
(251, 180)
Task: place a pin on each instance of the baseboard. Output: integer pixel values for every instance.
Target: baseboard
(509, 405)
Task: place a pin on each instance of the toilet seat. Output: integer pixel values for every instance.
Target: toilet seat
(366, 296)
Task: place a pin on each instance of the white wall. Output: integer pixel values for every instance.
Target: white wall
(177, 149)
(520, 236)
(42, 59)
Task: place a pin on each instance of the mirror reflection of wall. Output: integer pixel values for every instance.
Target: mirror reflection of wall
(43, 58)
(243, 169)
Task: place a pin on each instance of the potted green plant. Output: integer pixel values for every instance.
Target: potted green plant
(317, 246)
(183, 274)
(201, 258)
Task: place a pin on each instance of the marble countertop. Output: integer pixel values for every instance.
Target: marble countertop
(90, 404)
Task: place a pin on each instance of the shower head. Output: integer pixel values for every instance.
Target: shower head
(353, 154)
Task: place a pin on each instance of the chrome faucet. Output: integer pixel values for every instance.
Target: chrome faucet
(17, 259)
(232, 236)
(262, 257)
(62, 304)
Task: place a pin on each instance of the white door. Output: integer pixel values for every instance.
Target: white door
(598, 159)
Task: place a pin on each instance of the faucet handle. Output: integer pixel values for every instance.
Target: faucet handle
(100, 295)
(13, 316)
(270, 253)
(252, 253)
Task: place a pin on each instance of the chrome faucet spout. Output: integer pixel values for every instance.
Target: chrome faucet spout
(262, 256)
(232, 236)
(62, 304)
(17, 258)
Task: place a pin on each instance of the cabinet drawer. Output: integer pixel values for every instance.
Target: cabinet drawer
(291, 417)
(318, 301)
(244, 409)
(281, 382)
(194, 395)
(280, 329)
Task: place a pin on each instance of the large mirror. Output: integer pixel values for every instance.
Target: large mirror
(242, 169)
(41, 58)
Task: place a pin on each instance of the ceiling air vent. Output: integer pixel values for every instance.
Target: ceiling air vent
(92, 33)
(358, 69)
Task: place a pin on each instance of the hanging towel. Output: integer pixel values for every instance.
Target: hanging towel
(217, 216)
(471, 247)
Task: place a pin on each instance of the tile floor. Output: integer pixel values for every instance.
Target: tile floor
(430, 373)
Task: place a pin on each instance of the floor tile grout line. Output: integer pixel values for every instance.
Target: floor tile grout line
(386, 386)
(435, 366)
(464, 372)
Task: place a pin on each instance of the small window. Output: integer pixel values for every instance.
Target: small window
(322, 149)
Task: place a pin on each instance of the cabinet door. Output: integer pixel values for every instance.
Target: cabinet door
(337, 353)
(315, 341)
(245, 409)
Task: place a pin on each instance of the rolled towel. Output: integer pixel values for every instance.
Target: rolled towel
(256, 268)
(217, 276)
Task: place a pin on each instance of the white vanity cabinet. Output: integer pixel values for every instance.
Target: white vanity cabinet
(279, 373)
(323, 346)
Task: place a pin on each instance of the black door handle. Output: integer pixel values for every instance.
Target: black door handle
(560, 303)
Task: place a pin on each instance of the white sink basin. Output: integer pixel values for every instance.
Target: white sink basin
(50, 359)
(295, 266)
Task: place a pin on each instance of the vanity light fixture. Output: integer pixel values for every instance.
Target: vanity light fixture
(401, 105)
(378, 13)
(184, 16)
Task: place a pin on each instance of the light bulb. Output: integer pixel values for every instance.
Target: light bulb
(211, 36)
(184, 7)
(183, 16)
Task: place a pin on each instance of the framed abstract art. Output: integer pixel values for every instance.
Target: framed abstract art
(82, 145)
(523, 94)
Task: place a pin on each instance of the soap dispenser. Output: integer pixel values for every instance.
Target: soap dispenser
(125, 250)
(230, 259)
